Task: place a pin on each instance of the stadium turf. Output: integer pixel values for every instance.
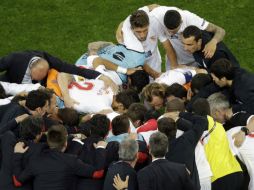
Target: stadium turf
(65, 27)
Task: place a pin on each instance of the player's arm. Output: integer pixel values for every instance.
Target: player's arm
(119, 33)
(112, 66)
(219, 34)
(154, 74)
(63, 80)
(240, 136)
(171, 54)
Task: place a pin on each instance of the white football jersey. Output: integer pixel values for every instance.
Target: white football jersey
(245, 152)
(150, 45)
(91, 95)
(188, 19)
(180, 76)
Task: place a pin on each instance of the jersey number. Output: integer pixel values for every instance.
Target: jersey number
(84, 86)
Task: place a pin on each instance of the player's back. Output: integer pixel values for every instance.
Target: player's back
(91, 95)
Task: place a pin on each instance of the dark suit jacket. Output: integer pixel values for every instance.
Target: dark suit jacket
(242, 90)
(221, 52)
(182, 149)
(15, 65)
(163, 174)
(8, 141)
(54, 170)
(88, 156)
(123, 169)
(8, 118)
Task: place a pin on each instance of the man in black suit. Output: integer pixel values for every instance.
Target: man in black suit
(31, 131)
(128, 151)
(161, 173)
(238, 81)
(54, 169)
(28, 66)
(195, 40)
(182, 149)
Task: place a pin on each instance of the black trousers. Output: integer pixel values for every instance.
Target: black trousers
(232, 181)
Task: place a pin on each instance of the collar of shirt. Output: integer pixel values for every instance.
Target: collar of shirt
(158, 159)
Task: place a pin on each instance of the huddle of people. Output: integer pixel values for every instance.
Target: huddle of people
(114, 120)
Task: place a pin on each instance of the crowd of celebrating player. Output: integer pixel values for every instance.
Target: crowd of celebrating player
(114, 120)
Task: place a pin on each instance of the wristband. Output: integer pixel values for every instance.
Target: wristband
(121, 70)
(245, 130)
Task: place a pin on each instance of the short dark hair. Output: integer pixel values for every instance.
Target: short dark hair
(176, 104)
(158, 144)
(18, 98)
(201, 107)
(30, 127)
(139, 80)
(85, 128)
(152, 114)
(69, 116)
(139, 19)
(127, 97)
(192, 31)
(176, 90)
(137, 112)
(168, 127)
(48, 92)
(222, 68)
(120, 124)
(172, 19)
(36, 99)
(57, 137)
(199, 81)
(100, 125)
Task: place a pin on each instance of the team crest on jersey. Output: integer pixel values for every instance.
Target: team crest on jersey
(148, 54)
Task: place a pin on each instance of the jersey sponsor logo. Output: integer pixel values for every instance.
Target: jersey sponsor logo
(119, 56)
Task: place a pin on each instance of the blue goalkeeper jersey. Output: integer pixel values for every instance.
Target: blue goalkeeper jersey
(119, 55)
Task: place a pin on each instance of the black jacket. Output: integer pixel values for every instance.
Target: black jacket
(221, 52)
(243, 91)
(54, 170)
(15, 65)
(123, 169)
(88, 156)
(163, 174)
(182, 149)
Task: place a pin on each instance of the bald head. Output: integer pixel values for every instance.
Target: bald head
(39, 69)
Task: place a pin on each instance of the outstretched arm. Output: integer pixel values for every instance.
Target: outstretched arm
(112, 66)
(219, 34)
(63, 80)
(171, 54)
